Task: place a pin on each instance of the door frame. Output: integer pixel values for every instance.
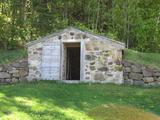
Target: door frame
(81, 42)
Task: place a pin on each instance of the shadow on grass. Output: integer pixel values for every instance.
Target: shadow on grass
(50, 100)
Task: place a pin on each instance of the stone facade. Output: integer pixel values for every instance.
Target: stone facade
(101, 57)
(103, 62)
(14, 72)
(135, 74)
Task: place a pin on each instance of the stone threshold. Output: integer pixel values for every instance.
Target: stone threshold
(86, 81)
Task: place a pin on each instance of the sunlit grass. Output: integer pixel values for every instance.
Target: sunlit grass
(150, 59)
(58, 101)
(120, 112)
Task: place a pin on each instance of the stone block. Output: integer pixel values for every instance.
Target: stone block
(158, 79)
(127, 69)
(8, 80)
(4, 75)
(138, 82)
(14, 80)
(92, 67)
(136, 76)
(99, 76)
(1, 68)
(24, 64)
(23, 72)
(17, 65)
(148, 79)
(136, 69)
(128, 82)
(125, 77)
(147, 73)
(103, 69)
(156, 74)
(92, 63)
(126, 64)
(13, 71)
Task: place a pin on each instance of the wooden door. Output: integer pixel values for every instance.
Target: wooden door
(50, 67)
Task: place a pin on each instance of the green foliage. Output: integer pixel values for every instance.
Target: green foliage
(57, 101)
(8, 56)
(149, 59)
(135, 22)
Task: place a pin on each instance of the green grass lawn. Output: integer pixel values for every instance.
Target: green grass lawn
(46, 100)
(150, 59)
(7, 56)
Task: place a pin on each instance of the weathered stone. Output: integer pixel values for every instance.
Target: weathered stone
(14, 80)
(125, 76)
(109, 74)
(4, 75)
(96, 48)
(135, 69)
(84, 36)
(8, 80)
(71, 33)
(136, 76)
(99, 76)
(128, 82)
(126, 64)
(148, 79)
(17, 65)
(14, 70)
(118, 62)
(127, 69)
(138, 82)
(87, 72)
(87, 78)
(1, 68)
(118, 68)
(92, 67)
(103, 69)
(156, 74)
(158, 79)
(59, 37)
(23, 72)
(110, 63)
(90, 57)
(147, 73)
(78, 36)
(39, 49)
(92, 63)
(16, 74)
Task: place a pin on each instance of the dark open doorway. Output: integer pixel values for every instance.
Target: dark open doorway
(73, 61)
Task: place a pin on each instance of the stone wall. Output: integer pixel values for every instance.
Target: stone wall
(135, 74)
(14, 72)
(34, 61)
(103, 62)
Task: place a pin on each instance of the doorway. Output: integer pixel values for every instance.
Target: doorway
(72, 61)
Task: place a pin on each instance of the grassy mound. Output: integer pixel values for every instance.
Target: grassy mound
(151, 59)
(119, 112)
(7, 56)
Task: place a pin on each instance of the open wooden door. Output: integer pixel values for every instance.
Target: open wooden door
(51, 55)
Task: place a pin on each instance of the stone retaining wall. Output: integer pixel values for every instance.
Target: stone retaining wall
(135, 74)
(14, 72)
